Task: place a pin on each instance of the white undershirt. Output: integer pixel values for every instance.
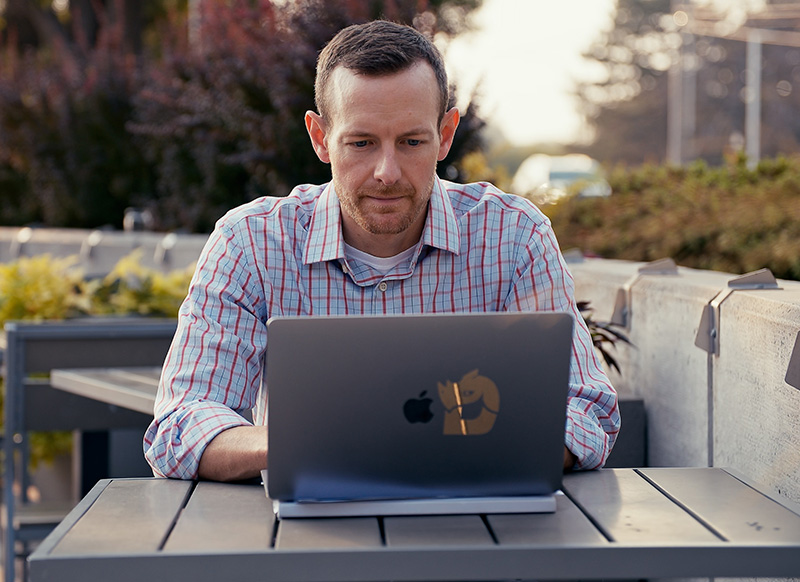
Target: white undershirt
(381, 264)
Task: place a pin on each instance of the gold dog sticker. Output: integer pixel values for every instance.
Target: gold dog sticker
(457, 398)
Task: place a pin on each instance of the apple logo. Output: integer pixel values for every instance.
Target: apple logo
(418, 409)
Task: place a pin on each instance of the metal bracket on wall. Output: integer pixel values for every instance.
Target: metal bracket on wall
(90, 243)
(708, 332)
(793, 371)
(24, 235)
(622, 305)
(164, 248)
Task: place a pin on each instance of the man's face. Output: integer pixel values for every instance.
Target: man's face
(383, 139)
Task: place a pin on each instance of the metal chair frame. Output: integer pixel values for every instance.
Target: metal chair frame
(31, 351)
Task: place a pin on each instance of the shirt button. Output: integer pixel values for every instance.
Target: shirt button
(382, 287)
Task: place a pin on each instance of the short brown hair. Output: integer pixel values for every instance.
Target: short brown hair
(377, 48)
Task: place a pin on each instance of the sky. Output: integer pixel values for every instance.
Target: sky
(526, 57)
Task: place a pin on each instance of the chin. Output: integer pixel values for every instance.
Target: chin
(387, 227)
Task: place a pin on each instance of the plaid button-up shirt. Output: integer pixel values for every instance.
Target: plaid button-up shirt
(480, 250)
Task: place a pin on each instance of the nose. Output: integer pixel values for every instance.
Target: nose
(387, 168)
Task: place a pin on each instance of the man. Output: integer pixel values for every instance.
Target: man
(385, 236)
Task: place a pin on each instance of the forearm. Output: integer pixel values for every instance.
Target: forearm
(234, 454)
(545, 284)
(593, 420)
(212, 373)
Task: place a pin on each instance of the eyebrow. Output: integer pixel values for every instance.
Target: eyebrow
(416, 131)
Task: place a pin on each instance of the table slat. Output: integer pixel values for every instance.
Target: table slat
(223, 517)
(130, 516)
(631, 510)
(107, 385)
(568, 525)
(149, 374)
(712, 493)
(115, 380)
(329, 533)
(432, 531)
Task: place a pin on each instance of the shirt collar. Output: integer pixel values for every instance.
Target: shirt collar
(326, 243)
(441, 227)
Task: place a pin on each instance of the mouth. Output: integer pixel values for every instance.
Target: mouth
(388, 200)
(383, 192)
(385, 199)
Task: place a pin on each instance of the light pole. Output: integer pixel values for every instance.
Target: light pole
(682, 92)
(752, 112)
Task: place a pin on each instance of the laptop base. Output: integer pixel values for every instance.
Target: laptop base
(448, 506)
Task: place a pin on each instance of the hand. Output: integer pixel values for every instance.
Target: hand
(569, 460)
(235, 454)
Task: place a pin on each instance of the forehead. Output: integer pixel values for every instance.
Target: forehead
(410, 94)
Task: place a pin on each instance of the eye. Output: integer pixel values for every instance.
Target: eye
(362, 143)
(413, 142)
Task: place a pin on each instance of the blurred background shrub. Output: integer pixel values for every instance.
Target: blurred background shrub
(45, 288)
(132, 108)
(40, 288)
(66, 157)
(727, 218)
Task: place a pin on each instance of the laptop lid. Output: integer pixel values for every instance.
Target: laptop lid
(416, 406)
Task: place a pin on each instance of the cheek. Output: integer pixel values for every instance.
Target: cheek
(421, 169)
(347, 175)
(353, 166)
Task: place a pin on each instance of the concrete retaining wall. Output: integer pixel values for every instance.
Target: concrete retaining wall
(731, 409)
(98, 251)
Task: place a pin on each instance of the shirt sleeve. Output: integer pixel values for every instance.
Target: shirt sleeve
(212, 371)
(543, 283)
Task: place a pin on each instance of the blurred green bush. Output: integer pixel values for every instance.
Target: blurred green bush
(728, 218)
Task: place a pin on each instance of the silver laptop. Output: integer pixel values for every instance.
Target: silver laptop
(445, 406)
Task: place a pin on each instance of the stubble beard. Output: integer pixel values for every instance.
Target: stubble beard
(387, 221)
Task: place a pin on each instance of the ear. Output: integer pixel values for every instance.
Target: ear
(315, 126)
(447, 131)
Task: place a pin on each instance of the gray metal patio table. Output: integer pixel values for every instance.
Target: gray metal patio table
(132, 388)
(612, 523)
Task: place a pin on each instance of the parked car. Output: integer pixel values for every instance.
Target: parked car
(547, 179)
